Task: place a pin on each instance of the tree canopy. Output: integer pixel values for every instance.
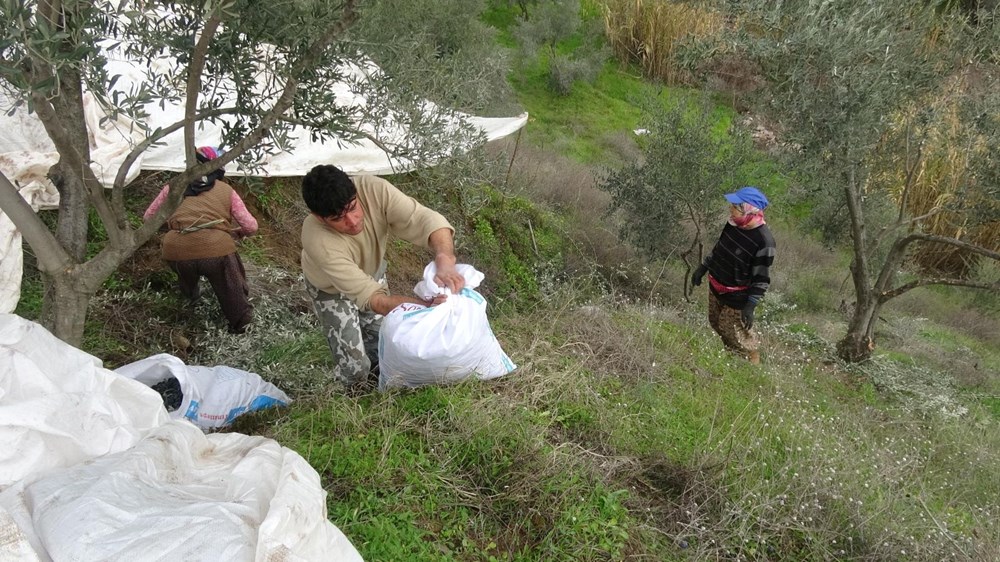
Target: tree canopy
(257, 68)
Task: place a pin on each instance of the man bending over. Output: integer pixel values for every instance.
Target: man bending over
(344, 240)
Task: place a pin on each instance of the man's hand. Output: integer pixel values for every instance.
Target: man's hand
(443, 244)
(698, 274)
(438, 299)
(448, 276)
(747, 314)
(381, 303)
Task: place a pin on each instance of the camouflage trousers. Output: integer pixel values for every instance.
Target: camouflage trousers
(352, 335)
(728, 323)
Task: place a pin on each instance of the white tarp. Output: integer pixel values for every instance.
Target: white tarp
(91, 468)
(26, 152)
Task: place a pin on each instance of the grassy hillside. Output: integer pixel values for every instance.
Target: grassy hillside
(627, 431)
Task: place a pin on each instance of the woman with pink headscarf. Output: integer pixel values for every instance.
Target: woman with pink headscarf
(738, 270)
(200, 241)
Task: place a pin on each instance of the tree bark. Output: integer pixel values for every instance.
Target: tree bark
(858, 343)
(64, 307)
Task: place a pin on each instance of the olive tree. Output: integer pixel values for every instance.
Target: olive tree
(842, 79)
(672, 198)
(281, 60)
(545, 26)
(440, 48)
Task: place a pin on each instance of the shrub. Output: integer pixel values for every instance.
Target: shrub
(689, 162)
(554, 33)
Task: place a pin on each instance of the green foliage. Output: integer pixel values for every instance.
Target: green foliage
(30, 303)
(986, 271)
(810, 291)
(253, 250)
(511, 237)
(553, 33)
(440, 49)
(993, 404)
(579, 124)
(689, 162)
(834, 90)
(271, 195)
(969, 6)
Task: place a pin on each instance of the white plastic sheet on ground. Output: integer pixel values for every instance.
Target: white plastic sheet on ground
(91, 468)
(421, 345)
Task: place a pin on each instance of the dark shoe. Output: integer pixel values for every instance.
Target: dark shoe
(241, 326)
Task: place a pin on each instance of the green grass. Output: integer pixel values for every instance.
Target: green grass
(953, 341)
(426, 475)
(579, 125)
(581, 456)
(30, 303)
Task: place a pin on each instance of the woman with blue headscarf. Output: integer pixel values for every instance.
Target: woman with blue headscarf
(738, 270)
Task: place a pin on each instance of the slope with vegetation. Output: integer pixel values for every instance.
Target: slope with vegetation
(627, 432)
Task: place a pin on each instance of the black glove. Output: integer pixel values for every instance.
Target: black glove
(747, 315)
(698, 274)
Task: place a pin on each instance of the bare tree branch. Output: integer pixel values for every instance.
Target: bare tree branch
(159, 134)
(891, 294)
(920, 236)
(898, 251)
(195, 70)
(51, 255)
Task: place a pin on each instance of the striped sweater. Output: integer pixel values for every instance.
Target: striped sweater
(742, 258)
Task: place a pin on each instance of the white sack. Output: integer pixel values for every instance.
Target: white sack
(59, 407)
(213, 396)
(421, 345)
(14, 544)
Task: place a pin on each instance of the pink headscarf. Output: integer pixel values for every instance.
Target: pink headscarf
(752, 217)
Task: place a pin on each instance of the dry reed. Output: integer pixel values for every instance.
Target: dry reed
(647, 32)
(940, 186)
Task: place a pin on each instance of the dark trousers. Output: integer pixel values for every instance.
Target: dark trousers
(228, 280)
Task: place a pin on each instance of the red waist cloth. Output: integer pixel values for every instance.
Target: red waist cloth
(723, 289)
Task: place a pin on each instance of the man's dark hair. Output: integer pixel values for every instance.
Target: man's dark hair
(327, 190)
